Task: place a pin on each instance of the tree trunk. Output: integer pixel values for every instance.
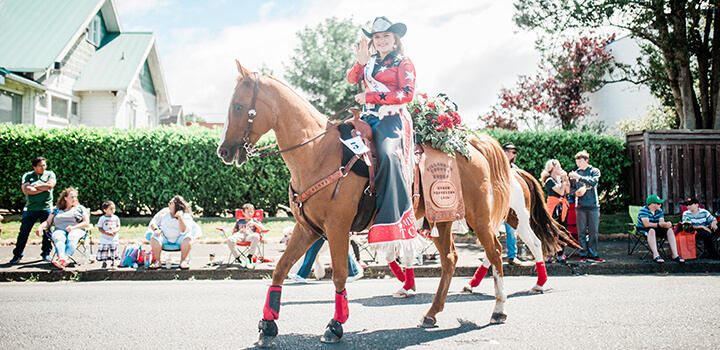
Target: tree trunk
(679, 45)
(716, 125)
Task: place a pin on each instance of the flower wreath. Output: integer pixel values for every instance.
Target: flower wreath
(437, 121)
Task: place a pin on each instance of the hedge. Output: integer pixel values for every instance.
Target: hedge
(141, 169)
(606, 153)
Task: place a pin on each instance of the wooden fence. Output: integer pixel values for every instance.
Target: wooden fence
(674, 164)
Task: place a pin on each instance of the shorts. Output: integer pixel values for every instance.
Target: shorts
(163, 240)
(659, 231)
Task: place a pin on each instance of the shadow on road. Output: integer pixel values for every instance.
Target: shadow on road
(379, 339)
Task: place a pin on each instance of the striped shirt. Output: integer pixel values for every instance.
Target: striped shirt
(703, 218)
(646, 213)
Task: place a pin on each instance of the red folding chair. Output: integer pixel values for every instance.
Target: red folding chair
(244, 246)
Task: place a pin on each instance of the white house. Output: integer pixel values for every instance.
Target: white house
(68, 62)
(619, 101)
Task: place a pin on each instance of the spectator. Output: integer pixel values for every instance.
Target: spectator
(557, 186)
(1, 219)
(38, 188)
(172, 225)
(247, 229)
(312, 259)
(109, 227)
(704, 223)
(70, 220)
(583, 185)
(651, 222)
(510, 236)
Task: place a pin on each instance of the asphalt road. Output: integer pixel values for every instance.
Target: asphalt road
(580, 312)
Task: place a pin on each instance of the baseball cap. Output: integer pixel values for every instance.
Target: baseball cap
(653, 198)
(691, 201)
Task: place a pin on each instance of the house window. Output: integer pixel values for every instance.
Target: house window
(10, 107)
(96, 30)
(74, 109)
(59, 107)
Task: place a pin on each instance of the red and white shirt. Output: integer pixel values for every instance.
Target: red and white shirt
(396, 72)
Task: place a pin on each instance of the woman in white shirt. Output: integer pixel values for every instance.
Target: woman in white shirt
(172, 225)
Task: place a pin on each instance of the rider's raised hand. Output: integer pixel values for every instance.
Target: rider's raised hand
(363, 52)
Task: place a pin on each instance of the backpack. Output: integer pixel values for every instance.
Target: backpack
(146, 257)
(131, 255)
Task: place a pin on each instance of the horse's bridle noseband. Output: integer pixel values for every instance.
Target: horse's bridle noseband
(250, 149)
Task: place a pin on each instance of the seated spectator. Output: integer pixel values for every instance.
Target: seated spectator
(651, 222)
(172, 225)
(247, 229)
(704, 223)
(70, 220)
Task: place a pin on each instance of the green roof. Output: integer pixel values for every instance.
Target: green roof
(116, 63)
(34, 33)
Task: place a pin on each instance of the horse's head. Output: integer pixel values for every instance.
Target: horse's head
(245, 124)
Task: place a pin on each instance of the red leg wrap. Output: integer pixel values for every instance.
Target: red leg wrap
(342, 312)
(397, 271)
(542, 273)
(478, 277)
(271, 311)
(409, 279)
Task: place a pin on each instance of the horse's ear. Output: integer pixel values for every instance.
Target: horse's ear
(241, 69)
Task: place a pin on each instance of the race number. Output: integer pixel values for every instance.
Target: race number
(356, 145)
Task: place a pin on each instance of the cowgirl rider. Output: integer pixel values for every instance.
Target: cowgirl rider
(389, 80)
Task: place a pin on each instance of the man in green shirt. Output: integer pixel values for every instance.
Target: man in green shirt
(38, 188)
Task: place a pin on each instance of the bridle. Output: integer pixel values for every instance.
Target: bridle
(250, 149)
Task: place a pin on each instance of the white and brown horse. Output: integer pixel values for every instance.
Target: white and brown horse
(262, 103)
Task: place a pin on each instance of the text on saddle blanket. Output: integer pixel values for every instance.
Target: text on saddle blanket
(441, 186)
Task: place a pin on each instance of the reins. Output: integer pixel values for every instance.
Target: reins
(251, 151)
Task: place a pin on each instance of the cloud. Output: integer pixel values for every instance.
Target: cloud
(467, 49)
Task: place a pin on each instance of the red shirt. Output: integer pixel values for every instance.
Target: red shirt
(396, 72)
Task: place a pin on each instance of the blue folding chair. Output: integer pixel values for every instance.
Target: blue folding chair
(175, 247)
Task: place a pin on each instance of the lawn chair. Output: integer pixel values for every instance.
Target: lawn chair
(243, 246)
(638, 240)
(175, 247)
(84, 246)
(572, 229)
(361, 238)
(678, 228)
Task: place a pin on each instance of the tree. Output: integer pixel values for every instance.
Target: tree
(682, 32)
(194, 118)
(321, 62)
(558, 92)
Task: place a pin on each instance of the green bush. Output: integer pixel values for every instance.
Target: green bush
(606, 153)
(140, 170)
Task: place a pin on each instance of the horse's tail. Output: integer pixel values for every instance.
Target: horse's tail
(549, 231)
(499, 175)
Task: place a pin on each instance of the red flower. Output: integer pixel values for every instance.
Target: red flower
(423, 96)
(417, 110)
(431, 105)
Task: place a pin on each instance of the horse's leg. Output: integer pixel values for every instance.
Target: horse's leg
(339, 254)
(477, 276)
(518, 204)
(448, 258)
(493, 253)
(298, 244)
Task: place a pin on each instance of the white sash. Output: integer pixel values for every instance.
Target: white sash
(373, 85)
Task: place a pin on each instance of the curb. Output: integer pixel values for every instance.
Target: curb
(142, 274)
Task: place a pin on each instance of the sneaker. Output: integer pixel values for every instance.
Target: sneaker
(15, 260)
(561, 258)
(596, 259)
(514, 262)
(360, 273)
(297, 278)
(104, 265)
(60, 264)
(242, 261)
(250, 264)
(45, 257)
(582, 259)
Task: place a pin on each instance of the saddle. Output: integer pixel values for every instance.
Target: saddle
(436, 173)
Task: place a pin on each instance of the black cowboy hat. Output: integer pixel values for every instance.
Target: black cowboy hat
(382, 24)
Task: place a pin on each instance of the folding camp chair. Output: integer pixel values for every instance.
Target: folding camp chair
(175, 247)
(244, 246)
(637, 240)
(84, 246)
(572, 229)
(361, 239)
(678, 228)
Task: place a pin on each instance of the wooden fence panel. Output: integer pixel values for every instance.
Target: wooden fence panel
(674, 164)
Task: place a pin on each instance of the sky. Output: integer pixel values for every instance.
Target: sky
(466, 49)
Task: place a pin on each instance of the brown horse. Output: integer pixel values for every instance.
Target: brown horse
(262, 103)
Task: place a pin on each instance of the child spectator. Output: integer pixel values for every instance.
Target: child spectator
(247, 229)
(109, 227)
(705, 225)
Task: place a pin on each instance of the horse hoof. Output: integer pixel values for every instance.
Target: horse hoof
(467, 289)
(498, 317)
(401, 293)
(268, 331)
(333, 332)
(427, 322)
(537, 290)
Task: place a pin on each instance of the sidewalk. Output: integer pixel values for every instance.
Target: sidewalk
(613, 251)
